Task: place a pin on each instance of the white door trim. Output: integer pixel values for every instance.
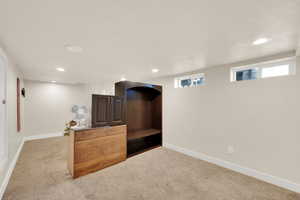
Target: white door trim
(4, 62)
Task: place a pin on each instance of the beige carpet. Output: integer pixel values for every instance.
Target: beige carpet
(41, 174)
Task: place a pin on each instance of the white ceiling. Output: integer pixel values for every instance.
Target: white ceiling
(130, 37)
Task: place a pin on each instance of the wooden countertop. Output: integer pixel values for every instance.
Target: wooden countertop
(89, 128)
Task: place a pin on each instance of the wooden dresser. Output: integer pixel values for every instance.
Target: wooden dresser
(93, 149)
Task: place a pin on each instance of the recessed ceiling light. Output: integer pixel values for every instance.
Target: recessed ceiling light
(60, 69)
(155, 70)
(123, 79)
(261, 41)
(73, 48)
(53, 81)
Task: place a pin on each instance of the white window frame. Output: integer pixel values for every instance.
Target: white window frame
(178, 79)
(290, 61)
(3, 135)
(237, 69)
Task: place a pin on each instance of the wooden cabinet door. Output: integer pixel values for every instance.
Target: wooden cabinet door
(117, 110)
(101, 110)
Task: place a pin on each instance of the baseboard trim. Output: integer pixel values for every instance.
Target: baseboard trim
(243, 170)
(43, 136)
(14, 161)
(10, 169)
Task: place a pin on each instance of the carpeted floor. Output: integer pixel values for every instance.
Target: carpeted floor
(41, 174)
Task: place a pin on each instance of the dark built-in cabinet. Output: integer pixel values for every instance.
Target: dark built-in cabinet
(139, 106)
(142, 113)
(107, 110)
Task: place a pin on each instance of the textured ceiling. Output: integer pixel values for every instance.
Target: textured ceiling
(129, 38)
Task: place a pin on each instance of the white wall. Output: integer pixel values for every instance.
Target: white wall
(48, 106)
(105, 89)
(260, 119)
(13, 136)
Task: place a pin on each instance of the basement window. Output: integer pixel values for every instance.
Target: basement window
(193, 80)
(246, 74)
(283, 67)
(281, 70)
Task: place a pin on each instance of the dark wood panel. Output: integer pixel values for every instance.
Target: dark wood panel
(107, 110)
(157, 112)
(143, 144)
(117, 110)
(101, 110)
(122, 86)
(142, 113)
(139, 111)
(142, 133)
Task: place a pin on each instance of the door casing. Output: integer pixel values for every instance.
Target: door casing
(3, 110)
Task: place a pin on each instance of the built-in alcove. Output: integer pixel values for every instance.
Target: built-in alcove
(143, 115)
(144, 112)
